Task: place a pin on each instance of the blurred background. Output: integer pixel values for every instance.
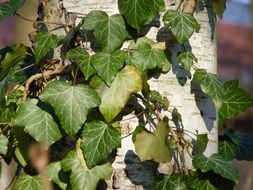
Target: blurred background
(235, 47)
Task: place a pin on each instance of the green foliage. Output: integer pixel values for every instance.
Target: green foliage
(170, 182)
(53, 171)
(147, 57)
(35, 117)
(108, 64)
(182, 24)
(186, 59)
(3, 144)
(202, 141)
(219, 7)
(216, 163)
(83, 60)
(28, 182)
(10, 7)
(82, 178)
(210, 85)
(44, 42)
(11, 59)
(235, 101)
(110, 31)
(60, 107)
(99, 139)
(71, 103)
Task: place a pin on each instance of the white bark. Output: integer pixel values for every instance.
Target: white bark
(198, 113)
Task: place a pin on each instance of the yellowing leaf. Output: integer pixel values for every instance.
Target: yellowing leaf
(114, 99)
(150, 146)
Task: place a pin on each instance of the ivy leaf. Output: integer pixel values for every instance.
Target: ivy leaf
(170, 182)
(35, 117)
(202, 141)
(3, 87)
(3, 144)
(93, 18)
(136, 12)
(227, 149)
(150, 146)
(217, 164)
(83, 60)
(110, 32)
(108, 64)
(28, 182)
(158, 6)
(235, 101)
(182, 24)
(114, 99)
(147, 57)
(44, 42)
(187, 59)
(80, 177)
(210, 85)
(71, 103)
(219, 7)
(199, 184)
(99, 139)
(11, 59)
(9, 8)
(245, 149)
(53, 171)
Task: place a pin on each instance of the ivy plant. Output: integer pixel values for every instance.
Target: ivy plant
(73, 104)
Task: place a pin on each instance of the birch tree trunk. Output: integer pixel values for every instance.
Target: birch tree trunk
(197, 111)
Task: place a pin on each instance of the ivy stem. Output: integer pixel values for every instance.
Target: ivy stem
(12, 180)
(41, 22)
(23, 69)
(137, 115)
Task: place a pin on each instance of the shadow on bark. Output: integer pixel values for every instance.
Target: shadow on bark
(138, 172)
(205, 106)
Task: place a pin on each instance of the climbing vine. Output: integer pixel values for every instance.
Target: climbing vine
(70, 96)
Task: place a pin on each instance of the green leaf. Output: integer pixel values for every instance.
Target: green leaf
(158, 6)
(199, 184)
(202, 141)
(3, 88)
(186, 59)
(227, 149)
(44, 42)
(182, 24)
(11, 59)
(99, 139)
(3, 144)
(83, 60)
(114, 99)
(150, 146)
(53, 171)
(136, 12)
(36, 118)
(217, 164)
(170, 182)
(108, 64)
(235, 101)
(210, 85)
(71, 103)
(28, 182)
(155, 97)
(147, 57)
(80, 177)
(9, 8)
(219, 7)
(110, 32)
